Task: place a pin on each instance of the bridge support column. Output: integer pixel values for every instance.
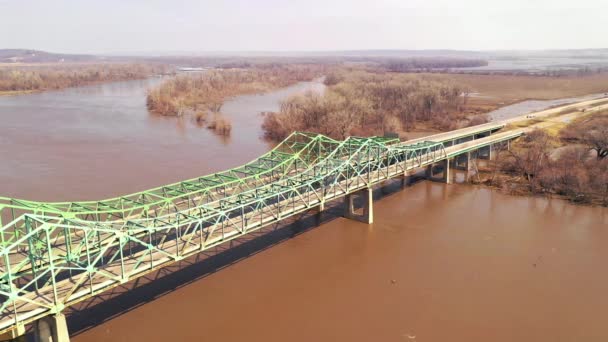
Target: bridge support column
(320, 210)
(368, 206)
(445, 174)
(467, 167)
(51, 329)
(405, 180)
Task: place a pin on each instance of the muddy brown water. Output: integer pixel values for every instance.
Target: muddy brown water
(440, 263)
(99, 141)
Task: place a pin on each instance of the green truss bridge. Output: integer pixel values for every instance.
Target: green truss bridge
(53, 255)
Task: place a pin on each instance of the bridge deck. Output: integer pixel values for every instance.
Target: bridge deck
(476, 144)
(459, 133)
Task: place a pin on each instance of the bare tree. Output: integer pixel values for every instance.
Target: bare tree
(530, 160)
(592, 132)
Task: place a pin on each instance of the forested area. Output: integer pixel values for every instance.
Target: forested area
(358, 102)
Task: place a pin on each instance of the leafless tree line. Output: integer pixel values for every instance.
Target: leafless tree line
(59, 77)
(358, 102)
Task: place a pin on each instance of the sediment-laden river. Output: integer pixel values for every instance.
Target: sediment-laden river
(100, 141)
(440, 263)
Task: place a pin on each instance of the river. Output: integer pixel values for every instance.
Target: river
(440, 263)
(100, 141)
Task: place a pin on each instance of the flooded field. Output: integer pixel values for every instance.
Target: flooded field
(541, 63)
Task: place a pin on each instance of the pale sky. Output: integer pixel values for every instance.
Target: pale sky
(136, 26)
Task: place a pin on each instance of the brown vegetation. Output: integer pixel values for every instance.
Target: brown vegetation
(220, 125)
(364, 103)
(591, 132)
(570, 170)
(18, 79)
(489, 92)
(509, 88)
(207, 91)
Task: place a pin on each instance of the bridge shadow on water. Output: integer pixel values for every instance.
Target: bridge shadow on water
(129, 296)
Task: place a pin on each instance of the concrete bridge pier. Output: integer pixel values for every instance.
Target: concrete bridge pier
(51, 329)
(319, 213)
(444, 175)
(405, 179)
(368, 206)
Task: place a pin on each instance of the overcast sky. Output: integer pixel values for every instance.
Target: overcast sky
(136, 26)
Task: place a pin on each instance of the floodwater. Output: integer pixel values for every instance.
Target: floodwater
(100, 141)
(531, 106)
(440, 263)
(538, 63)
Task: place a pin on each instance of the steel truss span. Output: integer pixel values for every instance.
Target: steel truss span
(54, 255)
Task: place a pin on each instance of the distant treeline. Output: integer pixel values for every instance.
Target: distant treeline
(37, 56)
(397, 64)
(364, 103)
(430, 64)
(59, 77)
(573, 71)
